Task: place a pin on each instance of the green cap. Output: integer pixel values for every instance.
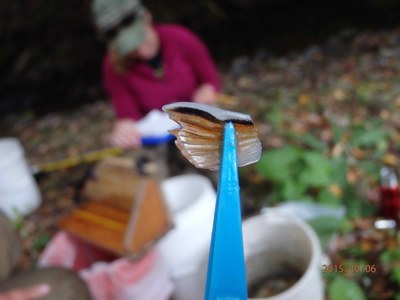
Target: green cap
(109, 13)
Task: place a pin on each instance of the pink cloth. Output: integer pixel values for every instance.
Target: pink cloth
(65, 250)
(119, 279)
(186, 63)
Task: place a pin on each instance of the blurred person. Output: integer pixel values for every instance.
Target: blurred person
(149, 65)
(30, 293)
(49, 283)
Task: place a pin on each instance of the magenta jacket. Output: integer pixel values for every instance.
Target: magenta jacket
(187, 64)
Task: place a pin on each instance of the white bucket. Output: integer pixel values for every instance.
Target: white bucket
(19, 194)
(273, 241)
(191, 199)
(269, 239)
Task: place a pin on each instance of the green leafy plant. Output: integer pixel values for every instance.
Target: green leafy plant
(390, 259)
(40, 242)
(325, 227)
(343, 288)
(341, 172)
(298, 174)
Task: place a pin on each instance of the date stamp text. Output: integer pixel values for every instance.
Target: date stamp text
(348, 268)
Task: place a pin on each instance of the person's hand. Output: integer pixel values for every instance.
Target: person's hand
(31, 293)
(125, 135)
(205, 94)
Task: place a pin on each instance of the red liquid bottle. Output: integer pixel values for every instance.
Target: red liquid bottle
(389, 194)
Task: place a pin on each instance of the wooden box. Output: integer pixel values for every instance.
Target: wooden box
(124, 213)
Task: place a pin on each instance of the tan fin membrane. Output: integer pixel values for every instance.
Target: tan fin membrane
(200, 137)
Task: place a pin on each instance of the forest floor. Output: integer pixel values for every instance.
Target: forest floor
(309, 98)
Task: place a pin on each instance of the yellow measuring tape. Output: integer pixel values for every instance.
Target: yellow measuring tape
(76, 160)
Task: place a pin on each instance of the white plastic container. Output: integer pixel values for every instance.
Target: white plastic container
(19, 194)
(270, 240)
(274, 240)
(191, 199)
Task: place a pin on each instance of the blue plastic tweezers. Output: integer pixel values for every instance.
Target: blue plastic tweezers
(226, 275)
